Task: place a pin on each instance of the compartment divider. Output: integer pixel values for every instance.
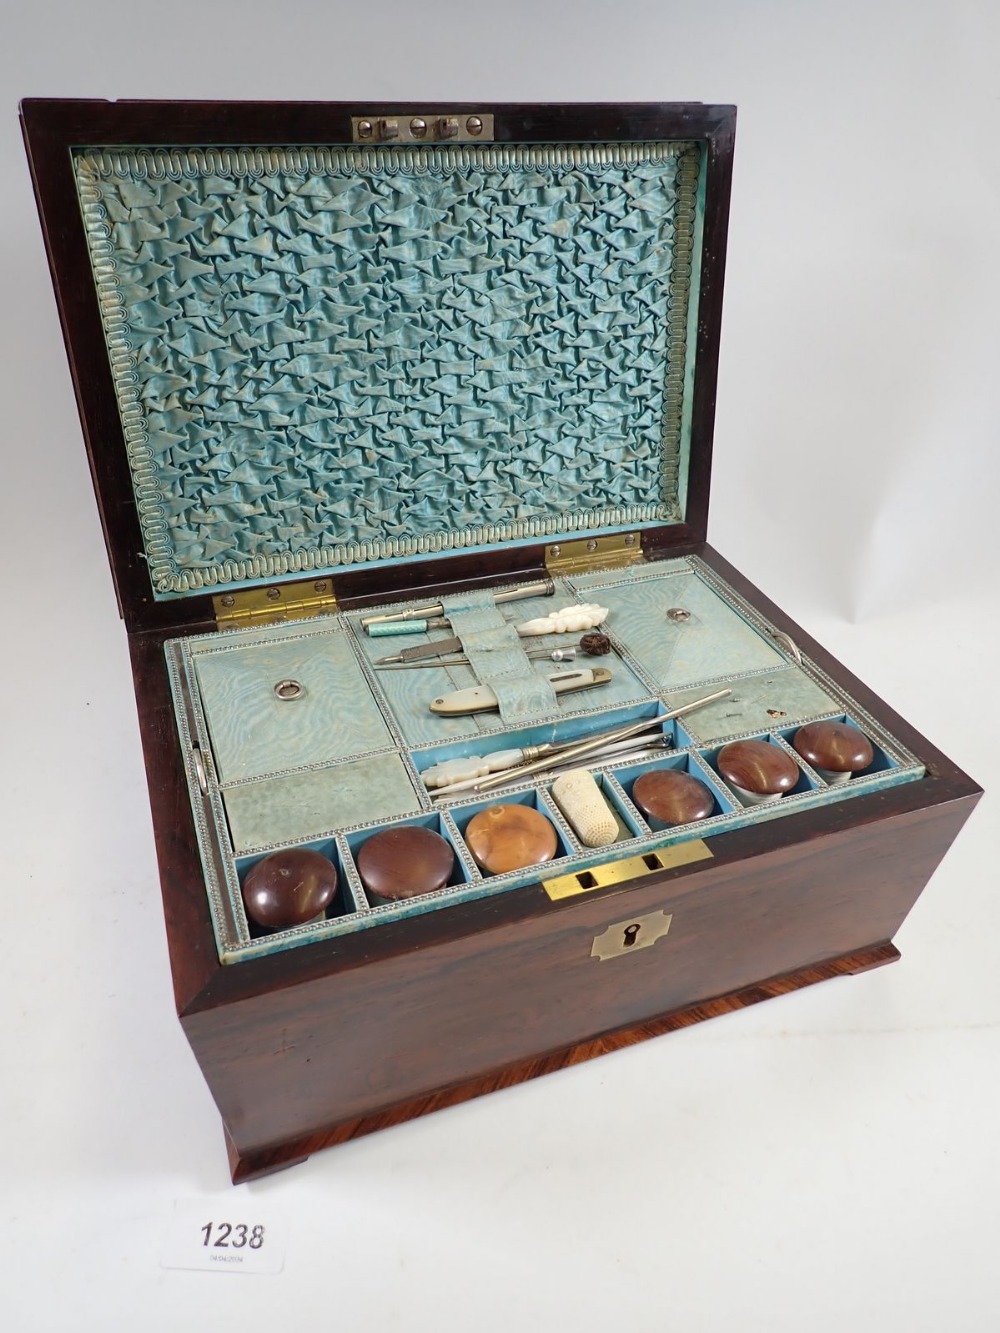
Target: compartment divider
(724, 797)
(548, 807)
(352, 878)
(626, 809)
(473, 874)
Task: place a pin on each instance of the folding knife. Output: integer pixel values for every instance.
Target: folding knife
(481, 698)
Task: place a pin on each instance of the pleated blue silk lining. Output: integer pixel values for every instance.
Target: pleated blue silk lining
(327, 357)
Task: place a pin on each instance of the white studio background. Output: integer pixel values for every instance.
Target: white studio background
(828, 1159)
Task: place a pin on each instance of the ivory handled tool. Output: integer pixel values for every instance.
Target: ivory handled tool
(595, 742)
(594, 645)
(567, 620)
(637, 749)
(473, 766)
(536, 655)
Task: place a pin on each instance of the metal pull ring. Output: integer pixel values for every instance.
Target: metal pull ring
(289, 689)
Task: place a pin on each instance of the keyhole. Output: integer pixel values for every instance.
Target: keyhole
(630, 933)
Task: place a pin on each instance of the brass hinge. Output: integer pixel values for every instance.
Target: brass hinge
(629, 867)
(616, 551)
(280, 601)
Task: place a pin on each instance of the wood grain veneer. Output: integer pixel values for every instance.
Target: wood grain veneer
(250, 1166)
(310, 1046)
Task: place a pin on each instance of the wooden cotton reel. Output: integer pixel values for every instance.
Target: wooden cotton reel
(510, 837)
(289, 888)
(757, 771)
(835, 750)
(397, 864)
(580, 799)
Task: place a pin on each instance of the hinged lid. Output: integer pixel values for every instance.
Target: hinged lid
(300, 355)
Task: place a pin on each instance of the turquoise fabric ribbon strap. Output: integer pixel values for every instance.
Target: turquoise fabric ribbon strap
(474, 600)
(498, 659)
(496, 650)
(524, 698)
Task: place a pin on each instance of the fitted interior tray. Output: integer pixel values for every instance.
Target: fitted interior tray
(343, 759)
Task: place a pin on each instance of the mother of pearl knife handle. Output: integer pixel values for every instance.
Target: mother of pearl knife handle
(481, 698)
(567, 620)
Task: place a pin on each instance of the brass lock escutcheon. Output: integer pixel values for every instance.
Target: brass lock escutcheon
(625, 937)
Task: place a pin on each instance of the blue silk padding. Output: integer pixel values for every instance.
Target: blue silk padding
(523, 698)
(333, 356)
(254, 733)
(482, 599)
(309, 803)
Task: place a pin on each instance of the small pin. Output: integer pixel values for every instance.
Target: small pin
(399, 664)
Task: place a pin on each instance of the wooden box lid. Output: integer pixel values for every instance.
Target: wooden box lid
(299, 353)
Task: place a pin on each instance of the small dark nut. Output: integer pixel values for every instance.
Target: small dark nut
(595, 644)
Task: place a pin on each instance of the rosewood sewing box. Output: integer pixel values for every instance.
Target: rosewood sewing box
(335, 361)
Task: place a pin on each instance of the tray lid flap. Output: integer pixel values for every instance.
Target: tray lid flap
(333, 356)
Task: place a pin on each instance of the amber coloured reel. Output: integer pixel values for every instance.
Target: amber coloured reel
(401, 863)
(668, 797)
(289, 888)
(834, 746)
(758, 767)
(510, 837)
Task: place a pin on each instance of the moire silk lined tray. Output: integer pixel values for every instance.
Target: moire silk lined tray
(345, 761)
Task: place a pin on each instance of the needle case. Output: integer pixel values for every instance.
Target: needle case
(334, 361)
